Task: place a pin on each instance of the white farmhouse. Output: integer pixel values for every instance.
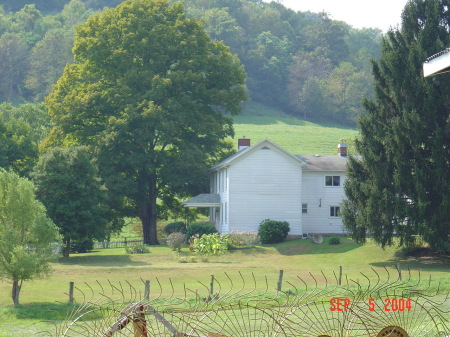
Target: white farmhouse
(266, 181)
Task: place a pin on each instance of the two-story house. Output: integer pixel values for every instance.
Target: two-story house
(266, 181)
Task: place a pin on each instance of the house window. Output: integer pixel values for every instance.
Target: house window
(334, 211)
(305, 208)
(332, 181)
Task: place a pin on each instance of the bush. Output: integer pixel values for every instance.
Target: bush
(81, 246)
(211, 244)
(175, 241)
(199, 228)
(140, 249)
(272, 231)
(334, 240)
(175, 227)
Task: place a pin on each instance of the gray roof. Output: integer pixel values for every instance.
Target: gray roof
(203, 200)
(324, 162)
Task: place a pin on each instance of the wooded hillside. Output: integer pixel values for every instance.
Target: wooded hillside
(303, 63)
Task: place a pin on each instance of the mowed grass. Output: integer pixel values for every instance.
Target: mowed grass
(257, 267)
(258, 121)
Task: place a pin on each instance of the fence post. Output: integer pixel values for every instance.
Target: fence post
(125, 242)
(147, 290)
(280, 281)
(211, 287)
(340, 275)
(399, 272)
(71, 286)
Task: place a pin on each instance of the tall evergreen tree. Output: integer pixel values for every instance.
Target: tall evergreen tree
(400, 186)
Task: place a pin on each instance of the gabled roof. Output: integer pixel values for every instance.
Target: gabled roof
(245, 152)
(319, 163)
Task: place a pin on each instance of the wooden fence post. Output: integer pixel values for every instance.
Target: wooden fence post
(71, 286)
(280, 281)
(211, 287)
(147, 290)
(340, 275)
(399, 272)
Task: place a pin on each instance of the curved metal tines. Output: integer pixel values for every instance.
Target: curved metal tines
(245, 308)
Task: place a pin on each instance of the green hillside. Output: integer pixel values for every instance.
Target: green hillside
(258, 121)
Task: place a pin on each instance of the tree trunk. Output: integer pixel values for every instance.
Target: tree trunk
(16, 292)
(148, 216)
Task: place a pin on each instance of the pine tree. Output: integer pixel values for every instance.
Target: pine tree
(400, 185)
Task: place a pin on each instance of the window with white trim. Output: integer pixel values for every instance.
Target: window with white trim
(334, 211)
(332, 181)
(305, 208)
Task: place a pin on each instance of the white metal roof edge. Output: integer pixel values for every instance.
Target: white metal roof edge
(226, 162)
(437, 65)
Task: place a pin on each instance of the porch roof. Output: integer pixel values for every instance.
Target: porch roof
(203, 200)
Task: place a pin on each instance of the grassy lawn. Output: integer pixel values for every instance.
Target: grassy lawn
(295, 135)
(298, 258)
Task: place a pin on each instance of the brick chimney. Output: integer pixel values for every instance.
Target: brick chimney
(342, 149)
(243, 143)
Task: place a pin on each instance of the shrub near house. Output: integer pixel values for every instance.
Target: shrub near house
(272, 231)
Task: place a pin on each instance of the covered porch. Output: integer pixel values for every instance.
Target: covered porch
(211, 201)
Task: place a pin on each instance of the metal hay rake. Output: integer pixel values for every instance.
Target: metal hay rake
(380, 308)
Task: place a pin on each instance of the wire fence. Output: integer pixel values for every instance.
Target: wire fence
(123, 242)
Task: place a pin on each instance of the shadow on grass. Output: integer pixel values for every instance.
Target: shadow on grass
(102, 261)
(424, 260)
(38, 311)
(248, 250)
(300, 247)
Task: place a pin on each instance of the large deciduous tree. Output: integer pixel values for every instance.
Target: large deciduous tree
(26, 233)
(68, 185)
(400, 186)
(151, 93)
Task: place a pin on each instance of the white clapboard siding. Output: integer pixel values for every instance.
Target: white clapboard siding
(319, 198)
(266, 183)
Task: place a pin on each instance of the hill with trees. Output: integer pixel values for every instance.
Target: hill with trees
(303, 63)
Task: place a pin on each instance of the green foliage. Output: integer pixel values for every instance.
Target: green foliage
(47, 60)
(68, 185)
(415, 245)
(334, 240)
(18, 137)
(265, 36)
(150, 89)
(175, 240)
(272, 231)
(400, 185)
(14, 60)
(26, 233)
(198, 229)
(174, 227)
(82, 245)
(138, 249)
(211, 244)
